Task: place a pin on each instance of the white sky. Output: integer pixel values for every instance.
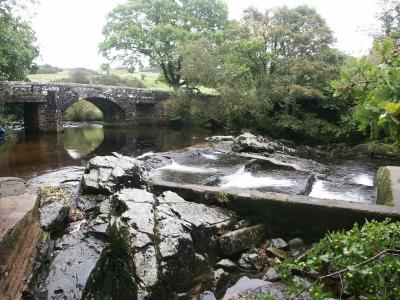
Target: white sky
(69, 31)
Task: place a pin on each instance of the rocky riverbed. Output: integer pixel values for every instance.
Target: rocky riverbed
(108, 234)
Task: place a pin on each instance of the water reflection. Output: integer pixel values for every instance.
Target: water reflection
(28, 155)
(80, 142)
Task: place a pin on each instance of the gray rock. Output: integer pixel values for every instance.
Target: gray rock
(107, 174)
(251, 261)
(220, 280)
(227, 265)
(162, 245)
(279, 243)
(219, 138)
(241, 240)
(68, 175)
(247, 288)
(53, 215)
(271, 275)
(250, 143)
(207, 295)
(75, 258)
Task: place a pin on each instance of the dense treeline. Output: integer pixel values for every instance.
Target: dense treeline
(276, 71)
(18, 47)
(272, 72)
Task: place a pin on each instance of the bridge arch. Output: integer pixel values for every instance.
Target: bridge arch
(115, 112)
(44, 103)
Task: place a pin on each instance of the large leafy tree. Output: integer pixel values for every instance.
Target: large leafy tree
(390, 18)
(17, 44)
(373, 81)
(273, 69)
(157, 29)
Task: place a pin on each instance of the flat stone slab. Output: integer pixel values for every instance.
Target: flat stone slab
(15, 202)
(10, 186)
(286, 215)
(19, 235)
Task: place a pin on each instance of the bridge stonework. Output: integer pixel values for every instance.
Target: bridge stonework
(45, 103)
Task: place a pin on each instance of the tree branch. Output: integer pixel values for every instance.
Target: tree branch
(376, 257)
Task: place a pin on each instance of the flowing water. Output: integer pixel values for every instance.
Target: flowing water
(27, 156)
(30, 155)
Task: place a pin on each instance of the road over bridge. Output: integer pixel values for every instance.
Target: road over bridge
(45, 103)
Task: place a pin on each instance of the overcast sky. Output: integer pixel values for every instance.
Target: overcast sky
(69, 31)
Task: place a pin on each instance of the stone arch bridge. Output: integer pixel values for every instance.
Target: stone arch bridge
(45, 103)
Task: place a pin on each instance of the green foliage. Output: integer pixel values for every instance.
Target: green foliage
(156, 29)
(83, 111)
(272, 72)
(85, 76)
(378, 279)
(373, 82)
(115, 80)
(18, 46)
(390, 18)
(48, 69)
(80, 75)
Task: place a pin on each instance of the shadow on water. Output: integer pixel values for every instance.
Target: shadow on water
(29, 155)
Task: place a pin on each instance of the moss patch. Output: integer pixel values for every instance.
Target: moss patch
(385, 196)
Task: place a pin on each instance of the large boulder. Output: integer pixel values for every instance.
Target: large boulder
(258, 144)
(107, 174)
(158, 246)
(74, 257)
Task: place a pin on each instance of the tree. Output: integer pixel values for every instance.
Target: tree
(156, 29)
(17, 45)
(274, 70)
(373, 81)
(390, 18)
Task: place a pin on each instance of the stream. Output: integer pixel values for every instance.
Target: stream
(27, 156)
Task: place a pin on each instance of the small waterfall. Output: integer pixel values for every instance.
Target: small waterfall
(364, 179)
(320, 190)
(209, 156)
(187, 169)
(243, 179)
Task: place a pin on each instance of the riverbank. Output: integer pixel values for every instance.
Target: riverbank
(111, 230)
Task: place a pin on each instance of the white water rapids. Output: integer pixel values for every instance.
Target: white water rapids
(243, 179)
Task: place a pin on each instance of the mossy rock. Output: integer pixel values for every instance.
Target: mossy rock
(385, 195)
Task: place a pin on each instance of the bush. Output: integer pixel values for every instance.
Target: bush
(83, 111)
(48, 69)
(115, 80)
(377, 279)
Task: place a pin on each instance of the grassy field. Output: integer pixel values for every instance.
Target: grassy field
(149, 79)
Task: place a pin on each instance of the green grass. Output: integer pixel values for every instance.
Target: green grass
(150, 79)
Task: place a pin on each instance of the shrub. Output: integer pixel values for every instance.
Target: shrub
(48, 69)
(83, 111)
(111, 79)
(376, 279)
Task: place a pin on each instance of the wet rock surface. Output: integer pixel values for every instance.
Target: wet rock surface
(107, 174)
(20, 234)
(250, 143)
(120, 239)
